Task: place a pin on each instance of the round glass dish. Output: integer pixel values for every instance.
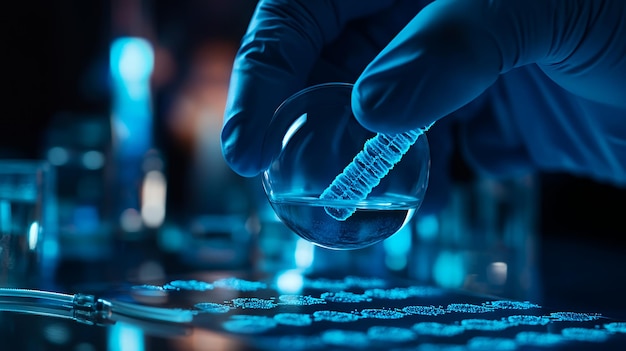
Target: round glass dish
(312, 137)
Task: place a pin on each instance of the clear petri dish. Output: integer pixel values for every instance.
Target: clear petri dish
(312, 138)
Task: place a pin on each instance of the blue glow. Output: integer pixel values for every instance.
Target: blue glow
(585, 334)
(326, 284)
(437, 329)
(427, 226)
(5, 216)
(125, 337)
(528, 320)
(297, 342)
(424, 310)
(364, 282)
(171, 238)
(239, 284)
(335, 316)
(449, 270)
(393, 334)
(246, 324)
(131, 64)
(468, 308)
(290, 281)
(485, 324)
(379, 155)
(86, 219)
(533, 338)
(304, 254)
(188, 285)
(403, 293)
(492, 344)
(616, 327)
(379, 313)
(397, 248)
(512, 305)
(210, 307)
(58, 156)
(353, 339)
(574, 316)
(345, 297)
(300, 300)
(93, 160)
(132, 59)
(254, 303)
(294, 319)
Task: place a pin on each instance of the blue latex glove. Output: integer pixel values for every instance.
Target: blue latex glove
(542, 83)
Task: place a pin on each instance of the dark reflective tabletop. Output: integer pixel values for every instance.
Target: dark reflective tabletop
(288, 310)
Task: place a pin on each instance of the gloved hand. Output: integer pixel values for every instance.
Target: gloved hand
(544, 81)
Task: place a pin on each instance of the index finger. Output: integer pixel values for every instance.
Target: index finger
(283, 42)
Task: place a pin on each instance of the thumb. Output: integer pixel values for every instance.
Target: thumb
(452, 51)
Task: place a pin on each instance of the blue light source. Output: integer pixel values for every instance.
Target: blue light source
(449, 269)
(131, 65)
(123, 336)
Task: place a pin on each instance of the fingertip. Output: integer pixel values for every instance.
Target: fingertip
(373, 111)
(242, 157)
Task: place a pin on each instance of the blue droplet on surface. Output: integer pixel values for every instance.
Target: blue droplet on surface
(511, 305)
(437, 329)
(335, 316)
(528, 320)
(210, 307)
(392, 334)
(349, 338)
(468, 308)
(239, 284)
(196, 285)
(345, 297)
(585, 334)
(491, 344)
(253, 302)
(424, 310)
(300, 300)
(246, 324)
(575, 316)
(293, 319)
(380, 313)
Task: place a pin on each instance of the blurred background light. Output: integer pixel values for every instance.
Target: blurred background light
(131, 63)
(132, 59)
(58, 156)
(397, 247)
(125, 337)
(153, 196)
(290, 281)
(93, 160)
(497, 273)
(33, 235)
(304, 254)
(130, 220)
(449, 269)
(427, 226)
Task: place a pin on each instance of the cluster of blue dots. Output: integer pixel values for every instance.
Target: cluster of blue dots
(375, 289)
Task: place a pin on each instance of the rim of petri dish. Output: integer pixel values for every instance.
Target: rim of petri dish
(272, 132)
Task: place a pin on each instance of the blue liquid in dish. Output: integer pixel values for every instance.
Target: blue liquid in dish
(374, 220)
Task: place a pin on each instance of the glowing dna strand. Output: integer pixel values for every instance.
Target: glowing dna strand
(379, 155)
